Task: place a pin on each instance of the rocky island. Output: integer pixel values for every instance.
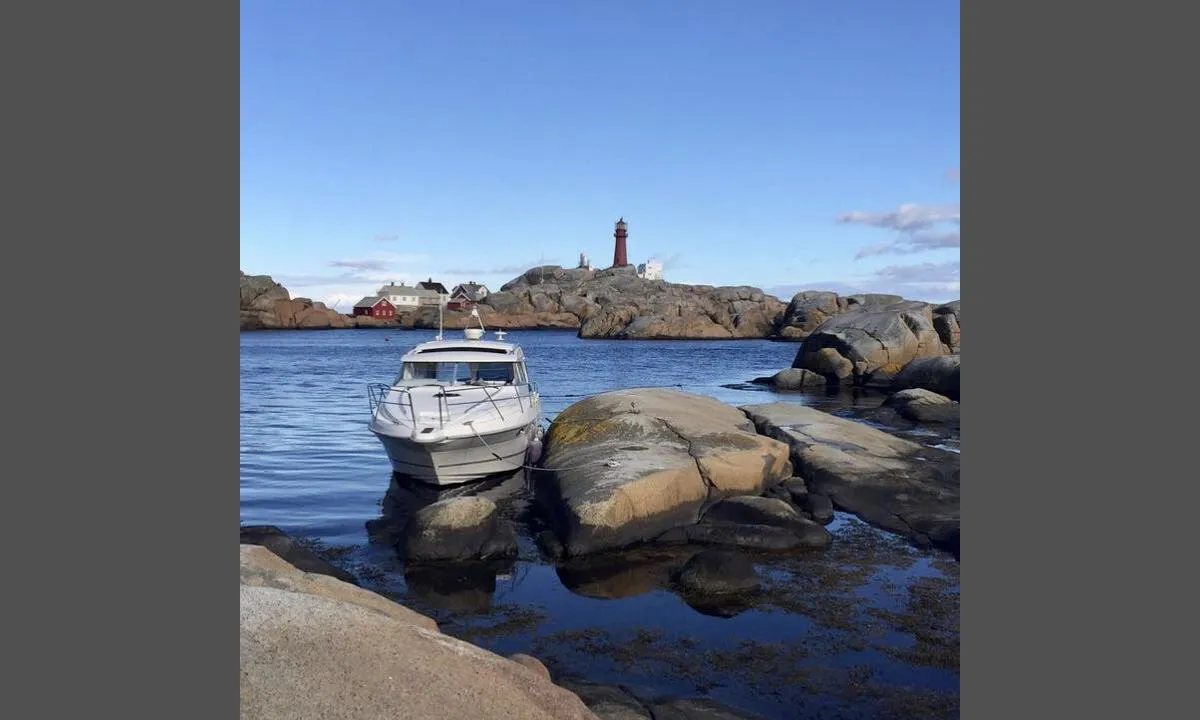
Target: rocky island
(616, 303)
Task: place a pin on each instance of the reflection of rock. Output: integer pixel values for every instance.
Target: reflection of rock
(712, 572)
(889, 482)
(621, 575)
(456, 529)
(275, 540)
(461, 587)
(637, 463)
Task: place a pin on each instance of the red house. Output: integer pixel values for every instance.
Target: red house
(377, 307)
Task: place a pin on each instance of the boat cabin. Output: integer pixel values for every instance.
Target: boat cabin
(469, 363)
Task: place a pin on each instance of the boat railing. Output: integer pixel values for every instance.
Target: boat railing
(379, 396)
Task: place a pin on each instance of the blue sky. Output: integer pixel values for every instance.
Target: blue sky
(778, 143)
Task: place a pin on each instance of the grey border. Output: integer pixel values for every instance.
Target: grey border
(1063, 174)
(122, 164)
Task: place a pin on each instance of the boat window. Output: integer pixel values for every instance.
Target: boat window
(420, 371)
(493, 372)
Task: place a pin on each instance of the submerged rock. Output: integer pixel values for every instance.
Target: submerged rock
(889, 482)
(457, 529)
(624, 467)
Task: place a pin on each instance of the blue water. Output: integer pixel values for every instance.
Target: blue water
(310, 466)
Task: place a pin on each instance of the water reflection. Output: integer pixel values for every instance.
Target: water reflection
(628, 574)
(465, 588)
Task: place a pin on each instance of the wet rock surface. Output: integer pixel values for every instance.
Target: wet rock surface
(890, 482)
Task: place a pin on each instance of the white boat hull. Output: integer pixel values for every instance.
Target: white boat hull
(461, 460)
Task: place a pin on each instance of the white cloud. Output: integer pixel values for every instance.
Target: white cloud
(908, 217)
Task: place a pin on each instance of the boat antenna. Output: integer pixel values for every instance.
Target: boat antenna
(439, 335)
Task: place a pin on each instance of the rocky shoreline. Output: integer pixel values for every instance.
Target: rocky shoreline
(703, 492)
(609, 304)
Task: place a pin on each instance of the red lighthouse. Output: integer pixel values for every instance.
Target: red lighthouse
(620, 259)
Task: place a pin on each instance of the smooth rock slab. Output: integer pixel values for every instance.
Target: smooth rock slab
(306, 657)
(889, 482)
(624, 467)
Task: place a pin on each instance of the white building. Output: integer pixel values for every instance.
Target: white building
(402, 296)
(652, 270)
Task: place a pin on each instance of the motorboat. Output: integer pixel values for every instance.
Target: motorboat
(459, 410)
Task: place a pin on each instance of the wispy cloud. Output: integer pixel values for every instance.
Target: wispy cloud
(386, 238)
(372, 264)
(930, 282)
(907, 218)
(479, 271)
(912, 243)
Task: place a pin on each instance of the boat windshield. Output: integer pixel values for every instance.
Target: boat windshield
(462, 373)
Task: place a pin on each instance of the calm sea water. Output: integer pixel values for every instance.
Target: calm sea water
(845, 632)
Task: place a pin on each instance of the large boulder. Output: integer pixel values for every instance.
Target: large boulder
(624, 467)
(889, 482)
(267, 305)
(334, 654)
(947, 321)
(458, 529)
(805, 313)
(936, 374)
(868, 345)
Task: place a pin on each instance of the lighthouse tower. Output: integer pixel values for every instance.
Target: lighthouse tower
(620, 256)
